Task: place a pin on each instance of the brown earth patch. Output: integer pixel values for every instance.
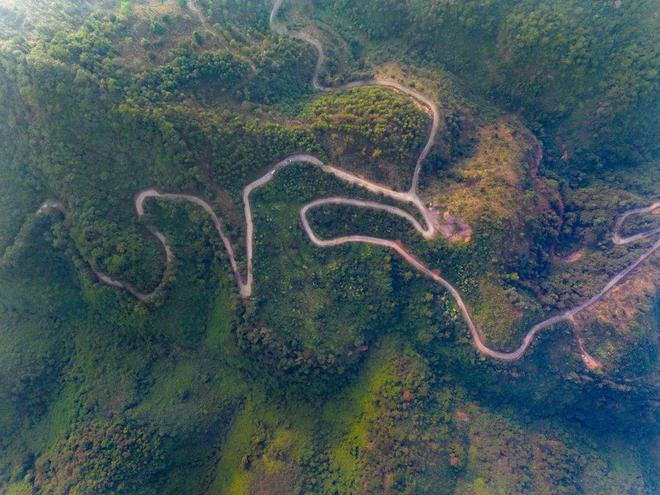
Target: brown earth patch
(454, 229)
(462, 416)
(621, 306)
(574, 256)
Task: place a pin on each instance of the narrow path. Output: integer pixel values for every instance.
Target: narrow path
(617, 239)
(416, 263)
(428, 231)
(386, 83)
(432, 226)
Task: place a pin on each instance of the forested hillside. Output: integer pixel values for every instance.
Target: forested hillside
(585, 74)
(329, 247)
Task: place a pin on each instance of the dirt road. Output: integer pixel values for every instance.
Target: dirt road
(429, 230)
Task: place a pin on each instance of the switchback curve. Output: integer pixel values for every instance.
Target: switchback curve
(428, 231)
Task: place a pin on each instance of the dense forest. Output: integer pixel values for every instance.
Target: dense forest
(346, 370)
(584, 74)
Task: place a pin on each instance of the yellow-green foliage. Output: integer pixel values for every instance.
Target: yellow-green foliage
(230, 478)
(388, 425)
(495, 315)
(375, 130)
(218, 336)
(20, 488)
(346, 372)
(103, 456)
(265, 450)
(493, 182)
(505, 456)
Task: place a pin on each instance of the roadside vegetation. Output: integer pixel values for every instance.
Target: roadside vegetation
(347, 372)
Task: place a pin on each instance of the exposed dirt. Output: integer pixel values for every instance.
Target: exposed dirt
(430, 230)
(574, 256)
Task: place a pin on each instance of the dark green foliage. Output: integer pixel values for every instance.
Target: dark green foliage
(370, 126)
(90, 47)
(347, 372)
(283, 72)
(400, 440)
(244, 16)
(586, 72)
(378, 21)
(215, 71)
(33, 356)
(102, 457)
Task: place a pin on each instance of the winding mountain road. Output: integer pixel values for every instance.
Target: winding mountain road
(429, 230)
(617, 239)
